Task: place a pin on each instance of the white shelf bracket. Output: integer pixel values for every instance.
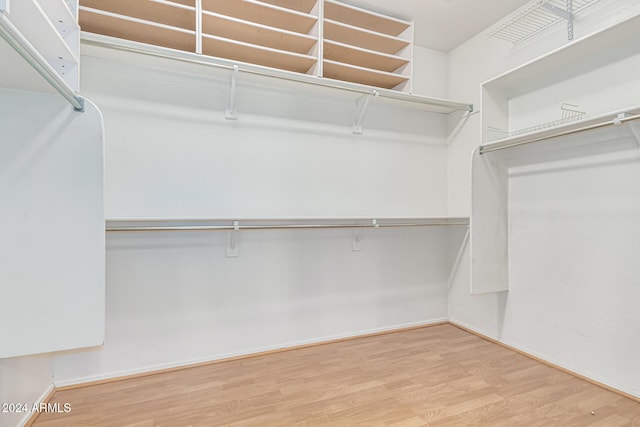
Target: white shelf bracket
(635, 130)
(357, 126)
(231, 112)
(564, 14)
(5, 7)
(356, 243)
(232, 240)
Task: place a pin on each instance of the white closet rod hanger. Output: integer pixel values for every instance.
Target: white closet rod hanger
(236, 226)
(25, 49)
(615, 122)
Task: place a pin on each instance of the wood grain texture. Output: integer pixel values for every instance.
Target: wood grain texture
(438, 375)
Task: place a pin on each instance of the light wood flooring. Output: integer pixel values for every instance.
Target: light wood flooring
(438, 375)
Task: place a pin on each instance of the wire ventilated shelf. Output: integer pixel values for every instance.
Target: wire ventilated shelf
(569, 113)
(537, 17)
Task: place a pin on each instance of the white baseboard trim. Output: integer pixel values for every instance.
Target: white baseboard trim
(247, 352)
(29, 415)
(552, 362)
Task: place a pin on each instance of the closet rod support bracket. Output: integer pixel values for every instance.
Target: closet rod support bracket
(356, 243)
(231, 113)
(232, 240)
(567, 15)
(635, 130)
(357, 126)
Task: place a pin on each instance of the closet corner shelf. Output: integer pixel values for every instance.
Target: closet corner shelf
(537, 17)
(435, 105)
(589, 123)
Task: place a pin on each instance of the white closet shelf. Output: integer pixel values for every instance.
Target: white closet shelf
(363, 38)
(111, 44)
(263, 13)
(32, 21)
(257, 34)
(223, 224)
(562, 129)
(353, 73)
(166, 13)
(358, 56)
(190, 3)
(140, 30)
(364, 19)
(305, 6)
(61, 17)
(246, 52)
(536, 17)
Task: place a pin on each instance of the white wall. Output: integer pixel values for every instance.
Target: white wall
(174, 298)
(24, 380)
(571, 230)
(51, 242)
(430, 72)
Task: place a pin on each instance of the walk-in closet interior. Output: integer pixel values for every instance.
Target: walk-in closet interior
(208, 182)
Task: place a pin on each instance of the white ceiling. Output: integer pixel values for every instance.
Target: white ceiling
(444, 24)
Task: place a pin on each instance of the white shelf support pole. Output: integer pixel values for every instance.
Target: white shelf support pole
(232, 240)
(199, 26)
(635, 130)
(564, 14)
(232, 109)
(570, 19)
(357, 126)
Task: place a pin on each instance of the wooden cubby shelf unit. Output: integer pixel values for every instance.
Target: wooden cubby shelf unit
(341, 52)
(263, 13)
(305, 6)
(334, 30)
(169, 24)
(362, 18)
(365, 47)
(245, 52)
(323, 38)
(352, 73)
(258, 34)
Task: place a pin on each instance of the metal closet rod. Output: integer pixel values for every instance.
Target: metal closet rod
(615, 122)
(194, 58)
(25, 49)
(372, 224)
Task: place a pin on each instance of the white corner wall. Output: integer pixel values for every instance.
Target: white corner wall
(24, 380)
(51, 242)
(174, 298)
(572, 227)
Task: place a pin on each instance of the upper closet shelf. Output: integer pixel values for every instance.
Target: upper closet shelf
(41, 38)
(420, 102)
(537, 17)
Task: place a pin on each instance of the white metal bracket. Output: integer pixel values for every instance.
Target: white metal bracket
(231, 112)
(564, 14)
(356, 243)
(363, 101)
(232, 240)
(635, 130)
(5, 7)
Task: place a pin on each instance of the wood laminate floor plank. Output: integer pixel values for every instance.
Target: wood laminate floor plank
(438, 375)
